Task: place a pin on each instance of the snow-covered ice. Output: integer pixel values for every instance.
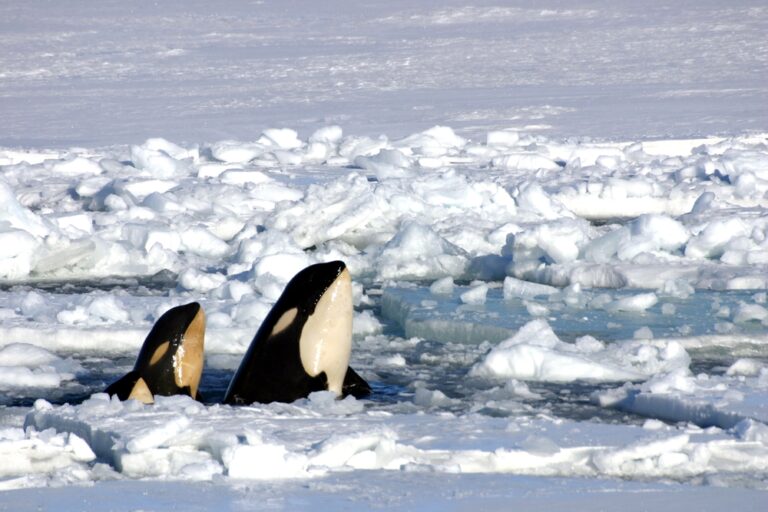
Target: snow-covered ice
(492, 279)
(555, 217)
(89, 268)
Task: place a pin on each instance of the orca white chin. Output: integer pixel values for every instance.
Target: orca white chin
(189, 357)
(326, 337)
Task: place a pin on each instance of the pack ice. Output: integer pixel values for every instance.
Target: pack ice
(494, 279)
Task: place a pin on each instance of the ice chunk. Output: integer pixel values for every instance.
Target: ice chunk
(535, 353)
(156, 162)
(666, 233)
(503, 138)
(445, 136)
(327, 135)
(751, 313)
(525, 161)
(24, 453)
(634, 304)
(514, 287)
(703, 203)
(362, 451)
(432, 398)
(27, 366)
(77, 166)
(365, 323)
(282, 266)
(603, 248)
(752, 431)
(17, 253)
(284, 138)
(108, 308)
(667, 452)
(347, 208)
(201, 241)
(13, 214)
(475, 295)
(678, 288)
(146, 235)
(98, 310)
(241, 177)
(352, 147)
(709, 243)
(386, 163)
(74, 225)
(532, 197)
(395, 361)
(528, 362)
(193, 279)
(22, 377)
(156, 436)
(174, 150)
(263, 460)
(746, 367)
(141, 189)
(417, 252)
(554, 242)
(232, 152)
(327, 402)
(442, 286)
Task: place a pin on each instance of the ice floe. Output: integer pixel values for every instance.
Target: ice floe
(515, 263)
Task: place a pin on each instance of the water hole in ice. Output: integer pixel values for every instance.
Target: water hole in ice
(423, 358)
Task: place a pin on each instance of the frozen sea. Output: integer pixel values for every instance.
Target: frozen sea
(555, 216)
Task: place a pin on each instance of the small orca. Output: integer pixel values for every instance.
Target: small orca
(171, 360)
(304, 343)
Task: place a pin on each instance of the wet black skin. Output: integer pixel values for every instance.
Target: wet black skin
(271, 370)
(170, 327)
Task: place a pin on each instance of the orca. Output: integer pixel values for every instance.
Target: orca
(170, 361)
(304, 343)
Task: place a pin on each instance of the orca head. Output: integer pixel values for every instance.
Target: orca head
(171, 359)
(317, 305)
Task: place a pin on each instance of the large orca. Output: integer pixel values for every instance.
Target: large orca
(304, 343)
(170, 361)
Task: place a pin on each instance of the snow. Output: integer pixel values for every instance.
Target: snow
(554, 217)
(27, 366)
(421, 225)
(288, 441)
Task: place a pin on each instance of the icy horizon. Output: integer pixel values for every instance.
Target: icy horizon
(90, 76)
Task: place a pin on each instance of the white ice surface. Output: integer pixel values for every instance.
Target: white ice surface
(118, 74)
(181, 439)
(463, 219)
